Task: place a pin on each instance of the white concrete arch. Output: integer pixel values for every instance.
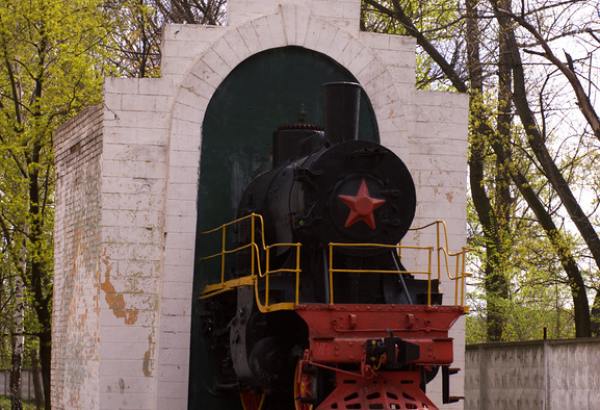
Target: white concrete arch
(291, 25)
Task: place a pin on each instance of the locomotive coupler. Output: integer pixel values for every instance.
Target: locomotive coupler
(390, 353)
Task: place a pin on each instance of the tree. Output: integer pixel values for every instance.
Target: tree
(493, 216)
(134, 42)
(509, 160)
(538, 142)
(49, 69)
(211, 12)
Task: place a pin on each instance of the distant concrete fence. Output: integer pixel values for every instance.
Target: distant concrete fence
(27, 389)
(545, 375)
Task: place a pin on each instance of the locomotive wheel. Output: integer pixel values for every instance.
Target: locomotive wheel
(305, 387)
(252, 400)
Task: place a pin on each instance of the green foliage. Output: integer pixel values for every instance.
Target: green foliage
(441, 21)
(132, 45)
(48, 73)
(539, 295)
(430, 17)
(5, 404)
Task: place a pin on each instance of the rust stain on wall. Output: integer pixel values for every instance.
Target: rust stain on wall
(148, 365)
(116, 300)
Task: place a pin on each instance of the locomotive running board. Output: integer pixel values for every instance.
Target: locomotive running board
(388, 390)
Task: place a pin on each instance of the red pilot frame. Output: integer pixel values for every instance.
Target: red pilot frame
(377, 352)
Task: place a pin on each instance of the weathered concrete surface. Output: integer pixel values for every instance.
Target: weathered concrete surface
(76, 307)
(126, 209)
(574, 381)
(551, 375)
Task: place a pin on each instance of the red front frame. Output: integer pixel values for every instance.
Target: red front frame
(337, 335)
(337, 332)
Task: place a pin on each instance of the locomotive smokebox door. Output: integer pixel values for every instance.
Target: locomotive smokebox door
(370, 193)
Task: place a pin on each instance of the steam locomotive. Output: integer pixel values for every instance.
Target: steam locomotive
(314, 308)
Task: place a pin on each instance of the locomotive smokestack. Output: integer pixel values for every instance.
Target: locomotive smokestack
(342, 108)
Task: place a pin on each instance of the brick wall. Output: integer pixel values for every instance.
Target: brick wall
(437, 160)
(134, 172)
(342, 13)
(75, 321)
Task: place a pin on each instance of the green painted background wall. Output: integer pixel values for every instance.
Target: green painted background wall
(265, 91)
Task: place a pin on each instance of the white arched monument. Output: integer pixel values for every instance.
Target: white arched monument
(128, 183)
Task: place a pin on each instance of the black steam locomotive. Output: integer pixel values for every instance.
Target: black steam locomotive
(326, 188)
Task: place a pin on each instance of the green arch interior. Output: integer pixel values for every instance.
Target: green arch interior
(265, 91)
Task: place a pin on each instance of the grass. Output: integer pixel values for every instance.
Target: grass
(5, 404)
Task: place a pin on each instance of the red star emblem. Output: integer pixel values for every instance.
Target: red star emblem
(361, 206)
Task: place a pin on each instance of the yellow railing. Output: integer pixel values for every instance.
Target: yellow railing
(260, 264)
(398, 248)
(267, 306)
(441, 247)
(256, 249)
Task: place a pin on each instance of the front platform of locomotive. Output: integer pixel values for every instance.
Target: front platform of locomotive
(324, 307)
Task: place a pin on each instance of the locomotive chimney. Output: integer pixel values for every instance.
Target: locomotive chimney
(342, 109)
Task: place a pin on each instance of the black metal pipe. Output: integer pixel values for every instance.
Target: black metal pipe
(342, 109)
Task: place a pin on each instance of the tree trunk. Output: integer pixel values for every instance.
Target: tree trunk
(39, 275)
(560, 185)
(37, 385)
(45, 361)
(584, 103)
(596, 315)
(496, 285)
(503, 141)
(18, 345)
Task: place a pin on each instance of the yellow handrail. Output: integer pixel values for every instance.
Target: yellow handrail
(258, 247)
(396, 247)
(256, 264)
(460, 257)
